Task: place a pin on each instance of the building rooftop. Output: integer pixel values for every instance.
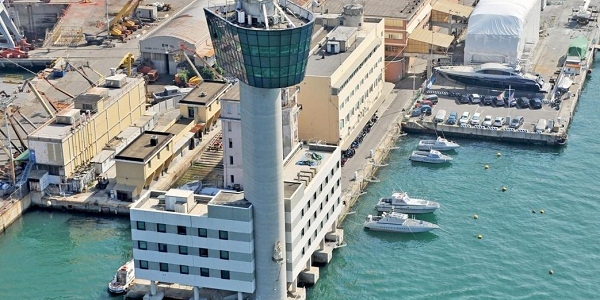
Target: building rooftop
(55, 131)
(324, 64)
(189, 24)
(232, 94)
(230, 198)
(179, 125)
(141, 149)
(401, 9)
(304, 159)
(205, 92)
(229, 13)
(151, 201)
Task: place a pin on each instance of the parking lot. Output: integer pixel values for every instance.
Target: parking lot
(531, 116)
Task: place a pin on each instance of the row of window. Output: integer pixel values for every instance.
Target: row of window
(183, 269)
(182, 230)
(358, 68)
(183, 250)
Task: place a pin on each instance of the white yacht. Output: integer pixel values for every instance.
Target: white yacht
(440, 144)
(431, 156)
(123, 279)
(401, 202)
(397, 222)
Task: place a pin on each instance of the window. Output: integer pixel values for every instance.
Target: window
(164, 267)
(181, 230)
(162, 247)
(204, 272)
(229, 126)
(183, 250)
(141, 225)
(184, 269)
(225, 274)
(302, 232)
(144, 264)
(223, 235)
(231, 160)
(142, 245)
(232, 178)
(191, 112)
(224, 254)
(203, 252)
(161, 227)
(230, 143)
(202, 232)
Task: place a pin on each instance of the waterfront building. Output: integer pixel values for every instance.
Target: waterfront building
(344, 78)
(231, 126)
(211, 241)
(66, 144)
(203, 104)
(142, 161)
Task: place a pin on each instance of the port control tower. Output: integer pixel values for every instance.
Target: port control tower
(265, 45)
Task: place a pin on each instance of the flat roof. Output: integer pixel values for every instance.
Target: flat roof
(230, 14)
(325, 65)
(304, 159)
(453, 8)
(140, 150)
(54, 131)
(401, 9)
(205, 92)
(232, 94)
(431, 37)
(230, 198)
(179, 125)
(153, 203)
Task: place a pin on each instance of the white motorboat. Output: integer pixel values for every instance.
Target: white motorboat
(440, 144)
(123, 279)
(170, 91)
(493, 75)
(401, 202)
(431, 156)
(397, 222)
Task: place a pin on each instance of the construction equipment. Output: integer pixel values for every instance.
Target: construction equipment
(128, 22)
(118, 30)
(206, 64)
(127, 63)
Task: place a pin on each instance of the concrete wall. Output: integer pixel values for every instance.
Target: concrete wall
(35, 18)
(11, 210)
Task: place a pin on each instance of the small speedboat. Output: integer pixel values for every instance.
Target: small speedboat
(397, 222)
(401, 202)
(440, 144)
(123, 279)
(431, 156)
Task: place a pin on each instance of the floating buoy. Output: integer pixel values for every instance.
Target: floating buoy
(498, 154)
(486, 167)
(533, 211)
(479, 236)
(551, 272)
(475, 217)
(541, 211)
(504, 188)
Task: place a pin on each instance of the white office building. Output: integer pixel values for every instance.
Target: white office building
(208, 242)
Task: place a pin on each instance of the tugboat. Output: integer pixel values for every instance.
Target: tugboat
(123, 279)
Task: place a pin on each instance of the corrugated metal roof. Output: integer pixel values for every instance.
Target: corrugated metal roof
(453, 8)
(189, 25)
(430, 37)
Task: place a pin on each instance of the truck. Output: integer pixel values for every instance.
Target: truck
(147, 13)
(91, 39)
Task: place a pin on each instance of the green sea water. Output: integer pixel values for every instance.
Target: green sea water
(57, 255)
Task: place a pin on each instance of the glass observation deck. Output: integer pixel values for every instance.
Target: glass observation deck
(260, 42)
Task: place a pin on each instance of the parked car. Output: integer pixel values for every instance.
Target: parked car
(476, 119)
(427, 102)
(415, 112)
(510, 102)
(487, 121)
(475, 99)
(535, 103)
(499, 102)
(431, 97)
(463, 99)
(498, 122)
(517, 122)
(488, 100)
(452, 118)
(426, 109)
(440, 116)
(464, 118)
(523, 102)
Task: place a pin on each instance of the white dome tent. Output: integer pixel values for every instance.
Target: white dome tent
(500, 30)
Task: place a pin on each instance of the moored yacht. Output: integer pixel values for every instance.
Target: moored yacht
(397, 222)
(493, 75)
(123, 279)
(401, 202)
(431, 156)
(440, 144)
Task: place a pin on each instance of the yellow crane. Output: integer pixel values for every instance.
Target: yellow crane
(116, 29)
(200, 79)
(127, 63)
